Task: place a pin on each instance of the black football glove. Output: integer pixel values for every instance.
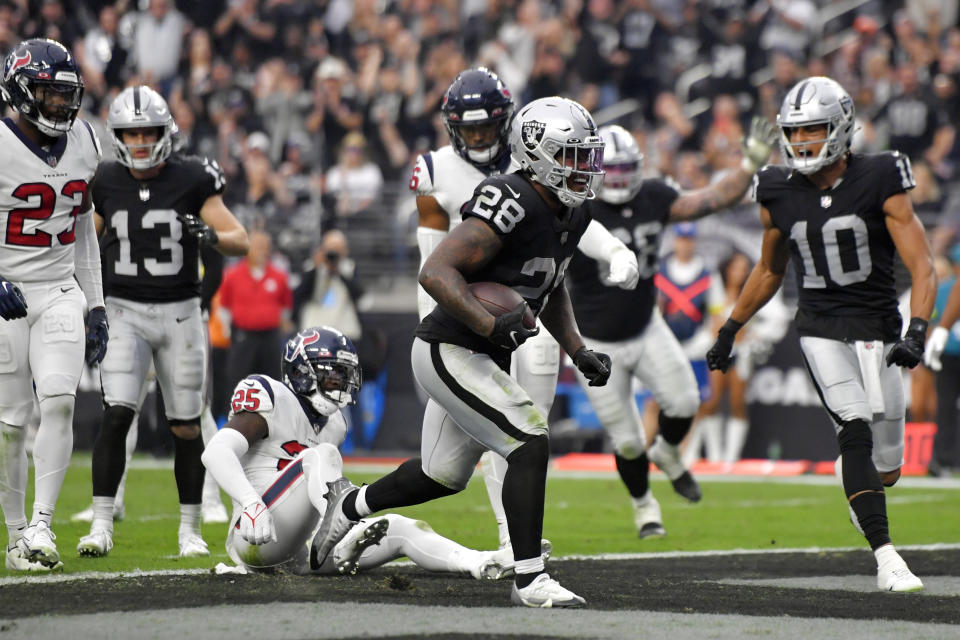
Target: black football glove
(908, 352)
(594, 366)
(719, 355)
(12, 303)
(196, 227)
(508, 330)
(96, 335)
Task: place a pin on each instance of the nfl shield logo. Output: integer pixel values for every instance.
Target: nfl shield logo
(826, 201)
(531, 133)
(144, 193)
(52, 161)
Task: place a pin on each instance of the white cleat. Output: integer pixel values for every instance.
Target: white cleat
(193, 546)
(894, 575)
(87, 514)
(504, 557)
(648, 519)
(96, 545)
(347, 552)
(545, 592)
(491, 566)
(667, 458)
(335, 523)
(213, 512)
(39, 544)
(18, 559)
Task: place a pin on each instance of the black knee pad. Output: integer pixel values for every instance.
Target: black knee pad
(535, 452)
(673, 430)
(856, 447)
(855, 434)
(116, 421)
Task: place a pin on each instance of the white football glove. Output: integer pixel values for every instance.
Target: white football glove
(758, 145)
(624, 271)
(256, 524)
(936, 343)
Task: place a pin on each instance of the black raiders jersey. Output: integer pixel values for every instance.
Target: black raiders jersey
(538, 244)
(146, 255)
(607, 312)
(839, 244)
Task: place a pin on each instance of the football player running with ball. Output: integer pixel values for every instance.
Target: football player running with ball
(627, 323)
(519, 230)
(155, 211)
(48, 246)
(841, 216)
(277, 454)
(476, 111)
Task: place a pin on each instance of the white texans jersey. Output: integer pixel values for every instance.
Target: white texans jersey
(448, 178)
(292, 425)
(41, 192)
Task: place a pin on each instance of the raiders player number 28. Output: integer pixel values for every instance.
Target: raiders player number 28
(156, 210)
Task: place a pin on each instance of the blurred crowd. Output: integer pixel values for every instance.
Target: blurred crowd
(316, 109)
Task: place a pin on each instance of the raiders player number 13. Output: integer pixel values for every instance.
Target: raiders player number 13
(156, 210)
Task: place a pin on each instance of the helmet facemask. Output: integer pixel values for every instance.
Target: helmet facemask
(51, 106)
(490, 136)
(622, 166)
(141, 108)
(580, 169)
(811, 102)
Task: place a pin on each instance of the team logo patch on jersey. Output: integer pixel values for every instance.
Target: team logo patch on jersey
(532, 133)
(826, 201)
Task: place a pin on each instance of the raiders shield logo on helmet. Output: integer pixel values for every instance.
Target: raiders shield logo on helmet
(532, 133)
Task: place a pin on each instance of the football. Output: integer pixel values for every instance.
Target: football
(499, 299)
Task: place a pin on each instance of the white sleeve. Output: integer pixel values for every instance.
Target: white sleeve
(598, 243)
(221, 457)
(87, 260)
(427, 240)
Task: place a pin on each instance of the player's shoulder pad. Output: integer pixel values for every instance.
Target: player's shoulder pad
(769, 177)
(422, 182)
(255, 394)
(89, 136)
(891, 169)
(205, 170)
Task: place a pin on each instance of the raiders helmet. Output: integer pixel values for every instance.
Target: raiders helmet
(555, 141)
(816, 100)
(134, 108)
(622, 165)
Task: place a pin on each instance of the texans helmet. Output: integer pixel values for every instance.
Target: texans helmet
(479, 105)
(321, 365)
(41, 80)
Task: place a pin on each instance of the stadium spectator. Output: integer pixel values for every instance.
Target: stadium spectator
(353, 185)
(335, 111)
(256, 298)
(158, 36)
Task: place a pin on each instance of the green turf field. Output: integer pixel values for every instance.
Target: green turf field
(583, 516)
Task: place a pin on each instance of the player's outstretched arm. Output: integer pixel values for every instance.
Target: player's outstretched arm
(465, 249)
(731, 188)
(231, 237)
(599, 244)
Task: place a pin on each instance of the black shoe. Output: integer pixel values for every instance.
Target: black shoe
(687, 487)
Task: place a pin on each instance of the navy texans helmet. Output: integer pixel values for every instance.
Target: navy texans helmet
(41, 80)
(476, 111)
(321, 365)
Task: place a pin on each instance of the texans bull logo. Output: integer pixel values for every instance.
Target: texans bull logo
(18, 61)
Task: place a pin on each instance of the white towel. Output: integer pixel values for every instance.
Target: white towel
(870, 356)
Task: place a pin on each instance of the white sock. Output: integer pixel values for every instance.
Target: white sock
(189, 520)
(494, 468)
(363, 510)
(15, 531)
(737, 429)
(712, 428)
(51, 452)
(102, 513)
